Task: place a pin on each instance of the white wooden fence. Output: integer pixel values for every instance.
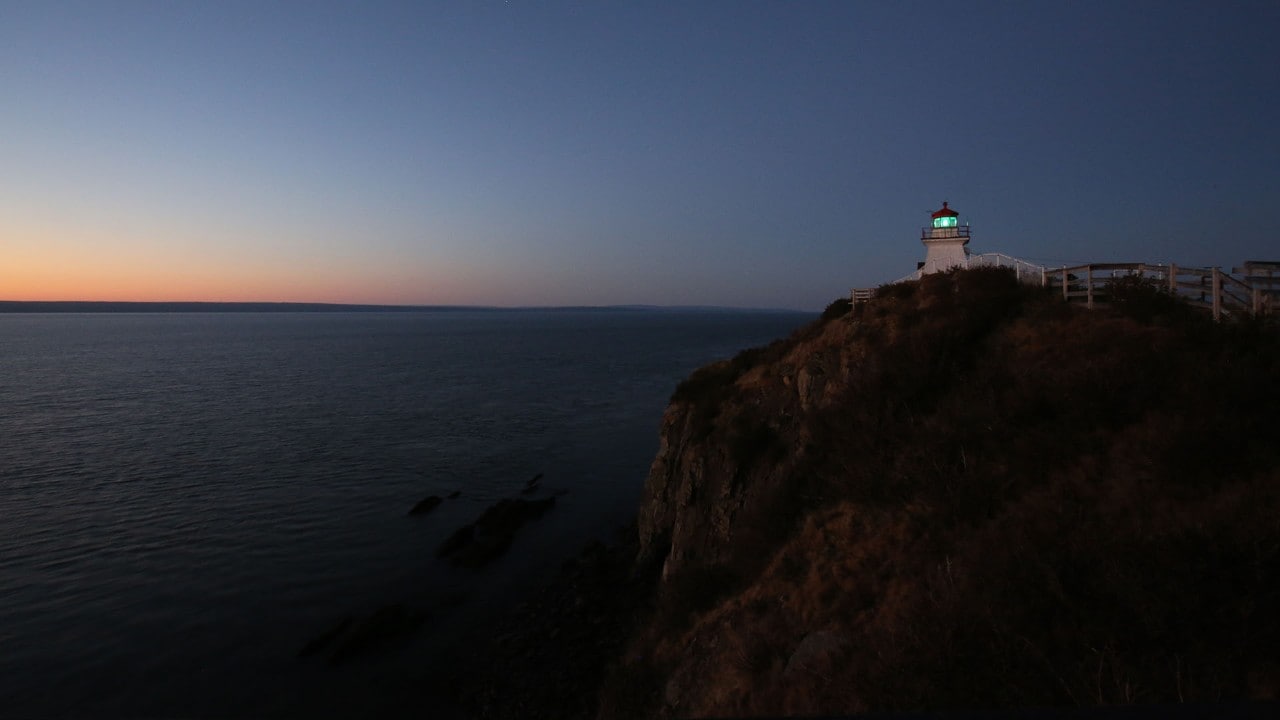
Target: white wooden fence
(1253, 288)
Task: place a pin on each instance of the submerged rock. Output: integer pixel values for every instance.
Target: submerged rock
(324, 639)
(426, 505)
(352, 636)
(460, 538)
(532, 486)
(488, 537)
(385, 627)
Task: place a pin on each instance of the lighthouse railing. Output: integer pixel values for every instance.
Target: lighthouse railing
(1027, 272)
(943, 233)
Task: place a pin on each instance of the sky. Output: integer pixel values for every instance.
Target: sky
(753, 154)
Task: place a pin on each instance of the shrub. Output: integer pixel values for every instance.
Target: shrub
(838, 308)
(897, 291)
(705, 384)
(1143, 299)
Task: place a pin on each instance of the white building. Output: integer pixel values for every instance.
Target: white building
(944, 242)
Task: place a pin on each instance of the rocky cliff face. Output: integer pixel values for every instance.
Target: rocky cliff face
(965, 495)
(734, 431)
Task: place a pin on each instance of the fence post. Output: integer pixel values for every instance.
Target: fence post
(1044, 277)
(1065, 296)
(1173, 279)
(1217, 295)
(1088, 287)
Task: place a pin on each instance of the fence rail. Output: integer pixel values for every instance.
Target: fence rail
(1210, 288)
(861, 295)
(1251, 289)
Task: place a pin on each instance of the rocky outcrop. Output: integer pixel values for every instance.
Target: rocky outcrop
(352, 636)
(1077, 503)
(734, 431)
(426, 505)
(487, 538)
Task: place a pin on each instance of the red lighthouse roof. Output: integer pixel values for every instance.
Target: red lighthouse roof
(945, 212)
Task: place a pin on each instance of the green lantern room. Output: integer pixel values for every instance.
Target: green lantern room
(946, 217)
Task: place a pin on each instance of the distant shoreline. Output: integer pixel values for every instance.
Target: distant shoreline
(88, 306)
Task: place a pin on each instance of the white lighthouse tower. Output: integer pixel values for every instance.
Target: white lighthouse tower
(944, 242)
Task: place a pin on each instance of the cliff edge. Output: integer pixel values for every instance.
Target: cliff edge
(965, 495)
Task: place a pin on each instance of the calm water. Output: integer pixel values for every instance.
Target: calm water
(186, 499)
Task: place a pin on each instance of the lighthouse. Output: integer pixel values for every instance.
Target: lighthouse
(944, 242)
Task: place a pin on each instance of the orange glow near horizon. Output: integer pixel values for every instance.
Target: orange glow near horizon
(76, 270)
(204, 285)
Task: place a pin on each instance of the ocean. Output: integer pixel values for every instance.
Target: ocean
(186, 499)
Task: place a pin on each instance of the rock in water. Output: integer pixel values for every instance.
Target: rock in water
(426, 505)
(488, 537)
(461, 538)
(352, 636)
(385, 627)
(324, 639)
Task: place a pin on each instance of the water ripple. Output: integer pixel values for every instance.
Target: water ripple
(183, 498)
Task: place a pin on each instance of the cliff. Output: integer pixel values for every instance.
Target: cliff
(965, 495)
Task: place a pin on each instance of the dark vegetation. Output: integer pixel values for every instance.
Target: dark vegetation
(1143, 300)
(709, 388)
(838, 308)
(979, 497)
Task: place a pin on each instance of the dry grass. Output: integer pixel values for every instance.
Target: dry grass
(993, 500)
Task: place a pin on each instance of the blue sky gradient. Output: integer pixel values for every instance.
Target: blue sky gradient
(546, 153)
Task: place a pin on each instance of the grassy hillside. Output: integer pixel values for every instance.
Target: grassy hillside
(966, 495)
